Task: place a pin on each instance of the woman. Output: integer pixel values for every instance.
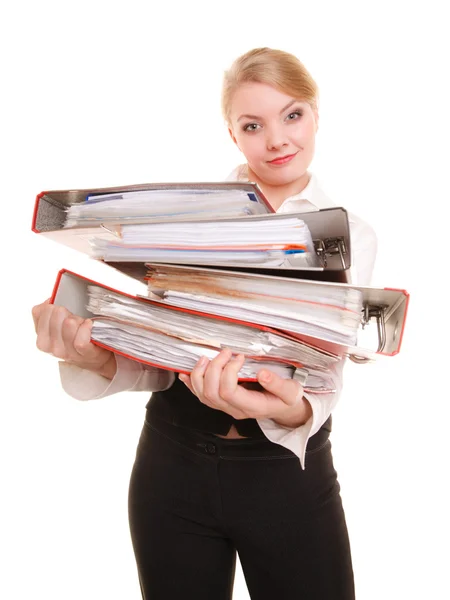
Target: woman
(221, 467)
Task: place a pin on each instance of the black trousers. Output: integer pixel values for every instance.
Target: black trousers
(196, 499)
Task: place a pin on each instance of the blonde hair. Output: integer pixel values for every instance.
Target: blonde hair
(276, 68)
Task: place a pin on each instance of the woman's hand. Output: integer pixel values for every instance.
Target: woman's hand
(68, 337)
(215, 383)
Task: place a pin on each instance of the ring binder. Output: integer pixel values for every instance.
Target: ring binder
(327, 265)
(117, 316)
(329, 227)
(385, 305)
(324, 248)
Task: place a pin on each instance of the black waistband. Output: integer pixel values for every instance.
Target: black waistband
(208, 443)
(179, 407)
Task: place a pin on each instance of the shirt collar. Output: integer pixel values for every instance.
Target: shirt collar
(310, 199)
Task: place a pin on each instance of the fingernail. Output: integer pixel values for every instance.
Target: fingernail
(264, 376)
(202, 361)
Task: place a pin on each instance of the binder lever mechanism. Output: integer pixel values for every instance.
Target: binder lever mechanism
(329, 247)
(373, 312)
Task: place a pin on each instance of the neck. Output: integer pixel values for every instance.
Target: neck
(277, 194)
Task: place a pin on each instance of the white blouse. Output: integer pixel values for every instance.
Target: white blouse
(133, 376)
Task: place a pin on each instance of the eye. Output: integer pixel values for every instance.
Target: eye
(251, 127)
(294, 115)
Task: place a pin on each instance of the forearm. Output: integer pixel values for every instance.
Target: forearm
(85, 384)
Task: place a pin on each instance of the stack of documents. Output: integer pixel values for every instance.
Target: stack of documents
(175, 339)
(180, 238)
(332, 313)
(264, 240)
(164, 203)
(100, 223)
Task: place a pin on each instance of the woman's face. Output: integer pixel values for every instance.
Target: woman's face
(275, 132)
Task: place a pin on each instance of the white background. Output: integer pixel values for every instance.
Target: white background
(96, 94)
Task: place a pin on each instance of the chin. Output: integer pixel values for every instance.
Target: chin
(285, 176)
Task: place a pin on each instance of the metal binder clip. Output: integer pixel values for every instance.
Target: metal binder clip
(373, 312)
(300, 375)
(319, 247)
(329, 247)
(336, 246)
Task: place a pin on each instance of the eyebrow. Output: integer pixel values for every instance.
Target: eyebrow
(256, 117)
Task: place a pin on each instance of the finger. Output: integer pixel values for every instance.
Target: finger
(230, 390)
(69, 331)
(187, 381)
(36, 312)
(241, 396)
(288, 390)
(83, 342)
(197, 375)
(230, 378)
(43, 341)
(213, 375)
(57, 317)
(227, 383)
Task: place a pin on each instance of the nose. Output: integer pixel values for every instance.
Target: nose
(275, 137)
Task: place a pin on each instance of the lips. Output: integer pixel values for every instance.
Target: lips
(281, 160)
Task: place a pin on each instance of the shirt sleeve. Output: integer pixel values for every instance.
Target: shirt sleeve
(364, 249)
(130, 376)
(296, 439)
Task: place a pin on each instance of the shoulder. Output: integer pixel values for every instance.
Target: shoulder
(361, 229)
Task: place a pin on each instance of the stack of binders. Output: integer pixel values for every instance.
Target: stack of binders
(222, 270)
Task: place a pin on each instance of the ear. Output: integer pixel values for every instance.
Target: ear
(233, 137)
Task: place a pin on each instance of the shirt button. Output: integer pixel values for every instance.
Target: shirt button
(210, 448)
